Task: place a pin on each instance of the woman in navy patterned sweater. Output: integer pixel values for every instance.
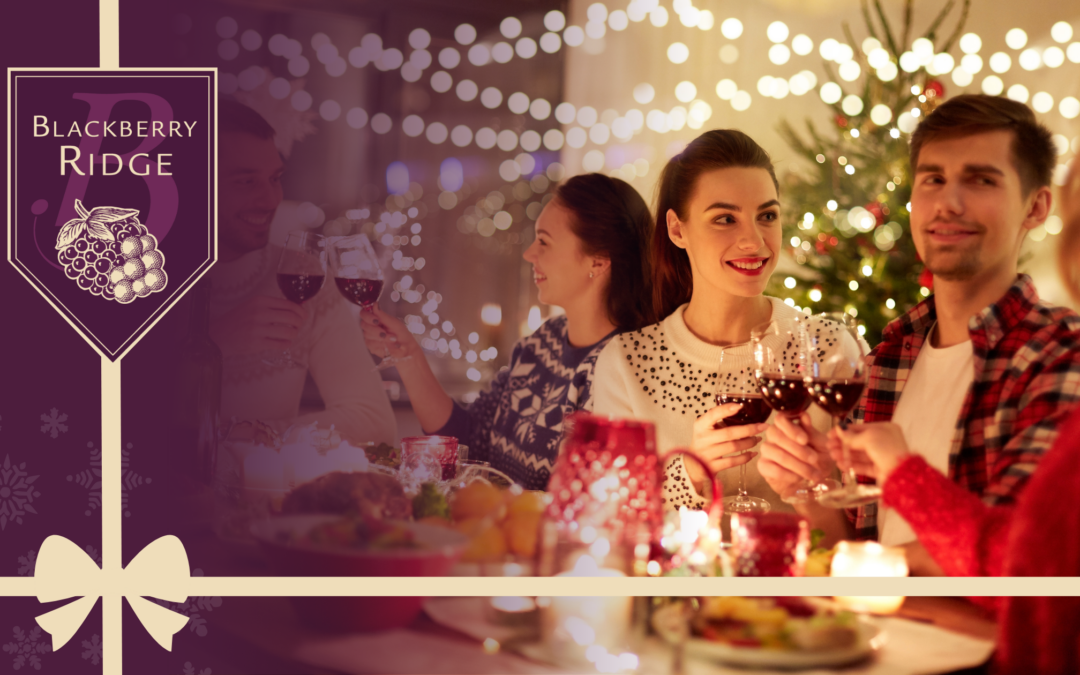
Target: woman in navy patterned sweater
(589, 258)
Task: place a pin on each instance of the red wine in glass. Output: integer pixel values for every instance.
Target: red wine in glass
(754, 410)
(837, 397)
(363, 292)
(784, 395)
(299, 287)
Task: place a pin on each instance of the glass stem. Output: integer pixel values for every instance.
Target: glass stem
(850, 479)
(742, 480)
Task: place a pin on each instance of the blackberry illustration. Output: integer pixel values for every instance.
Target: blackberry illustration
(152, 260)
(133, 269)
(131, 247)
(156, 279)
(103, 265)
(109, 253)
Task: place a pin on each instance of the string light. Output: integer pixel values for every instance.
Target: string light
(622, 127)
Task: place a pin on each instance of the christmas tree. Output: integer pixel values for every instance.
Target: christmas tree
(847, 210)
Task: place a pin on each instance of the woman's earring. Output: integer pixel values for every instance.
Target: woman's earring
(590, 275)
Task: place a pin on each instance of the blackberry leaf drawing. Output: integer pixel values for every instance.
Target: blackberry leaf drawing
(109, 253)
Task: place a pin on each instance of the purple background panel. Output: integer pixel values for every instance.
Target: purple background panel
(25, 648)
(45, 364)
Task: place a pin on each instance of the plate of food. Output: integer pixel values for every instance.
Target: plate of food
(787, 633)
(357, 545)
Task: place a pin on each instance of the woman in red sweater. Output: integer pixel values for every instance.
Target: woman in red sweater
(1038, 536)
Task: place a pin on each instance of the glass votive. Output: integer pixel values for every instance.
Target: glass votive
(514, 611)
(443, 448)
(769, 544)
(869, 559)
(581, 630)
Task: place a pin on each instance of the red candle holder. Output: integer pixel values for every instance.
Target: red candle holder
(443, 448)
(769, 544)
(609, 478)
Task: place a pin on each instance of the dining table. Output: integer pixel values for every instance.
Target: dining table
(928, 636)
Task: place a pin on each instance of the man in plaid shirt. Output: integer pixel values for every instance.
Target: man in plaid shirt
(976, 378)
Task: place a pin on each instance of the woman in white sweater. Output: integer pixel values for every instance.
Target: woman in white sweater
(716, 243)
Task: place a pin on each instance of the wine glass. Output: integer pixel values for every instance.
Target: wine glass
(359, 277)
(733, 387)
(837, 359)
(301, 272)
(780, 372)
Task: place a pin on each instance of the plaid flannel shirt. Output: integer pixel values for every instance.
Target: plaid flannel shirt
(1026, 382)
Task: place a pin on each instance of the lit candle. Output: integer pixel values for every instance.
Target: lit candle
(578, 629)
(515, 611)
(869, 559)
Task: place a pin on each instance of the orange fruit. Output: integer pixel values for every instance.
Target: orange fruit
(522, 531)
(488, 545)
(476, 500)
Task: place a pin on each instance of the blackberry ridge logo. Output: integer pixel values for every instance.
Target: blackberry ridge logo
(112, 193)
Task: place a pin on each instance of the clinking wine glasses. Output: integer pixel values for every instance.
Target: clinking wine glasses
(837, 377)
(359, 277)
(781, 372)
(737, 387)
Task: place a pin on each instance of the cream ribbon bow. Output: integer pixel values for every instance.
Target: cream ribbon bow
(66, 571)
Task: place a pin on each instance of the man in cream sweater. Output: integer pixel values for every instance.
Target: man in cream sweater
(254, 325)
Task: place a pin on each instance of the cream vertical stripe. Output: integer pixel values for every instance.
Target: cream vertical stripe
(109, 34)
(111, 515)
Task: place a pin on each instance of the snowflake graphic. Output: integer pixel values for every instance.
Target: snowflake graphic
(190, 670)
(194, 608)
(26, 564)
(90, 479)
(130, 480)
(16, 492)
(26, 648)
(54, 423)
(93, 649)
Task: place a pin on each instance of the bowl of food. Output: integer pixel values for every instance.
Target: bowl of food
(322, 545)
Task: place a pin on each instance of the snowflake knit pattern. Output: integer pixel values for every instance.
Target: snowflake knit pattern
(516, 425)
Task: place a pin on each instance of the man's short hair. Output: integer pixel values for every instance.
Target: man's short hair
(1033, 152)
(239, 118)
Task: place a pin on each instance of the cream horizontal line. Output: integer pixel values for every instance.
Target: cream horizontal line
(564, 586)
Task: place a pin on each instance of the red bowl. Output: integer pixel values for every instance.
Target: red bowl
(442, 548)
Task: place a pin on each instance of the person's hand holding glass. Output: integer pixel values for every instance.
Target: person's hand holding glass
(724, 436)
(739, 389)
(781, 371)
(359, 277)
(300, 274)
(837, 359)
